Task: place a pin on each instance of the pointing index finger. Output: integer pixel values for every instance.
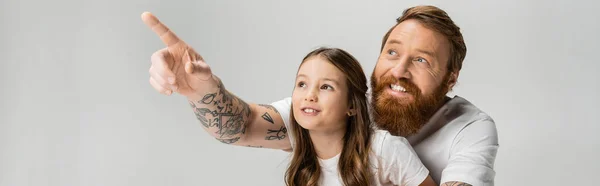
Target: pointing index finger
(165, 34)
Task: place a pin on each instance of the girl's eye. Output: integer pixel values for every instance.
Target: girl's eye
(327, 87)
(301, 84)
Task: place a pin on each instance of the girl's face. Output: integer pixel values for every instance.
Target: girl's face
(320, 97)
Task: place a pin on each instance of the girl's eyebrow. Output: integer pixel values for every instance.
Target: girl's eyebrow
(326, 79)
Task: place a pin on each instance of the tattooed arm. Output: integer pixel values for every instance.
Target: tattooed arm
(231, 120)
(456, 183)
(180, 69)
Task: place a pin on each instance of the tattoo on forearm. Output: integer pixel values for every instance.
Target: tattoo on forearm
(268, 117)
(254, 146)
(229, 116)
(229, 141)
(276, 134)
(456, 183)
(209, 98)
(269, 107)
(201, 116)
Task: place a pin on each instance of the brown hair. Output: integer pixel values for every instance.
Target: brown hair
(438, 20)
(353, 164)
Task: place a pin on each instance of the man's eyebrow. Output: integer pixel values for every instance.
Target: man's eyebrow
(394, 41)
(427, 52)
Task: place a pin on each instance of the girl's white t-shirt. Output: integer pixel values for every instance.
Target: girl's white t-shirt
(393, 161)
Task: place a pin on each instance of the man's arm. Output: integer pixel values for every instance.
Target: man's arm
(472, 155)
(179, 68)
(231, 120)
(428, 182)
(456, 183)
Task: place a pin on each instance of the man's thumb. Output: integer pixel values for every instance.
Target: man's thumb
(198, 69)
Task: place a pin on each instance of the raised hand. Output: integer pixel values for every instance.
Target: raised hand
(177, 68)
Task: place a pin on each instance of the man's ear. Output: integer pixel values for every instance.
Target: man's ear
(452, 80)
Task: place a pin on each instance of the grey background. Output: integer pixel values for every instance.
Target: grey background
(77, 108)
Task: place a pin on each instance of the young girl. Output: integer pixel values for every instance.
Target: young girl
(329, 127)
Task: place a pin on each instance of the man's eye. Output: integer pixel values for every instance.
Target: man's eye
(421, 60)
(392, 52)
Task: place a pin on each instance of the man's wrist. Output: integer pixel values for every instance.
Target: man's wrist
(201, 94)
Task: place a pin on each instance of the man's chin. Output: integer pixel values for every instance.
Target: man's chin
(401, 115)
(404, 113)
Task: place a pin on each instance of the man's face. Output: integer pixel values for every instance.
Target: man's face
(411, 78)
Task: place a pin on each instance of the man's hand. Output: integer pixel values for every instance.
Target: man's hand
(177, 68)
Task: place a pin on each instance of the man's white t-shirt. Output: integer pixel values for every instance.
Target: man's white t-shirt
(459, 142)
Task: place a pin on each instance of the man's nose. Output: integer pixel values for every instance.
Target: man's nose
(400, 70)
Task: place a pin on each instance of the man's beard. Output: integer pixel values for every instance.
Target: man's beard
(398, 116)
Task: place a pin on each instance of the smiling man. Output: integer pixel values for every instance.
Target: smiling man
(419, 62)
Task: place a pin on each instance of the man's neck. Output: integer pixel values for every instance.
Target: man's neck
(431, 126)
(327, 143)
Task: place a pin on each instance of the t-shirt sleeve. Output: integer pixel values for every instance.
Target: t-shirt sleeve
(472, 154)
(402, 165)
(284, 107)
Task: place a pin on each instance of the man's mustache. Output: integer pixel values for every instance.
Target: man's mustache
(410, 87)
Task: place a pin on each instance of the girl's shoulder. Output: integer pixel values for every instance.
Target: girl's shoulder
(383, 143)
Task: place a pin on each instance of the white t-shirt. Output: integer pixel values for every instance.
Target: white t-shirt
(392, 161)
(462, 149)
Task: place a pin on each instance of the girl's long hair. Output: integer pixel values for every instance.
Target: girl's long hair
(353, 163)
